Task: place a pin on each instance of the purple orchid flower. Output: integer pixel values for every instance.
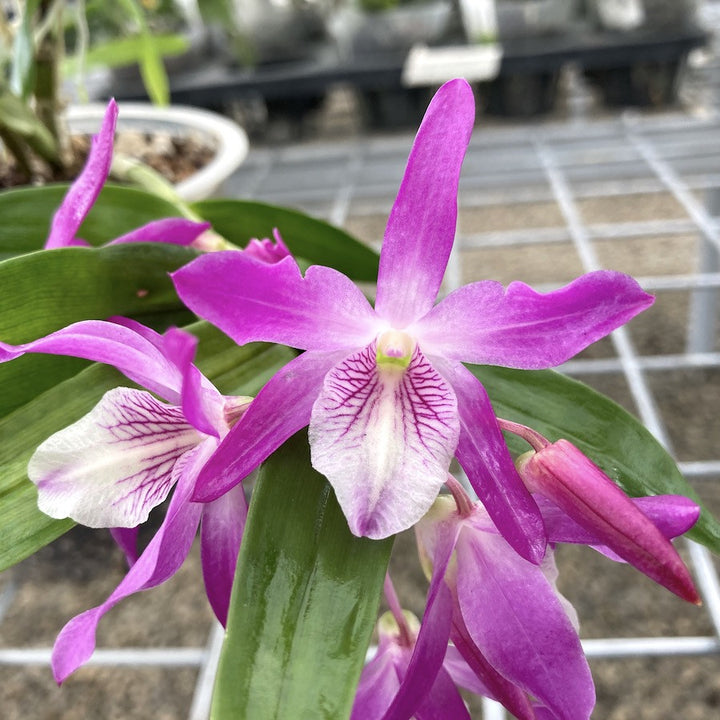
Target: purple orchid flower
(384, 391)
(266, 250)
(83, 193)
(118, 462)
(383, 676)
(515, 633)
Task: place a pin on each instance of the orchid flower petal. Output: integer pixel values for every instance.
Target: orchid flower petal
(221, 531)
(202, 405)
(84, 191)
(673, 515)
(379, 682)
(437, 540)
(443, 702)
(250, 300)
(384, 437)
(262, 429)
(161, 559)
(107, 342)
(515, 618)
(127, 540)
(479, 676)
(484, 456)
(266, 250)
(172, 230)
(484, 323)
(421, 227)
(566, 476)
(115, 464)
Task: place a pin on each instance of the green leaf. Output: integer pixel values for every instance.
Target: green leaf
(152, 69)
(26, 214)
(23, 58)
(559, 407)
(46, 290)
(129, 50)
(25, 528)
(304, 601)
(319, 242)
(17, 117)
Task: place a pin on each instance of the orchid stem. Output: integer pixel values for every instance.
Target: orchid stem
(532, 437)
(395, 608)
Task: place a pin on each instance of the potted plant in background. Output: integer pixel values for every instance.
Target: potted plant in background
(37, 130)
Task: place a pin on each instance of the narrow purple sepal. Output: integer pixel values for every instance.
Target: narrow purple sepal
(221, 531)
(484, 323)
(127, 540)
(421, 227)
(484, 456)
(121, 346)
(84, 191)
(171, 231)
(672, 515)
(443, 702)
(202, 404)
(262, 429)
(432, 640)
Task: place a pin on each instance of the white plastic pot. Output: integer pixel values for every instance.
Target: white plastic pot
(228, 139)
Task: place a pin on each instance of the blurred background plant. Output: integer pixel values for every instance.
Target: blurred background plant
(45, 42)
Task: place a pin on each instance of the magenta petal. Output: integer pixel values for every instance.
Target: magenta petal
(251, 300)
(672, 515)
(161, 559)
(384, 437)
(378, 684)
(223, 522)
(517, 621)
(108, 342)
(432, 640)
(84, 191)
(202, 404)
(484, 323)
(479, 676)
(443, 702)
(484, 456)
(127, 539)
(421, 227)
(172, 231)
(262, 428)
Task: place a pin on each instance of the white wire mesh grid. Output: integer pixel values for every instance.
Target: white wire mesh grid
(559, 165)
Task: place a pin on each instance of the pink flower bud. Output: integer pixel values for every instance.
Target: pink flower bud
(568, 478)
